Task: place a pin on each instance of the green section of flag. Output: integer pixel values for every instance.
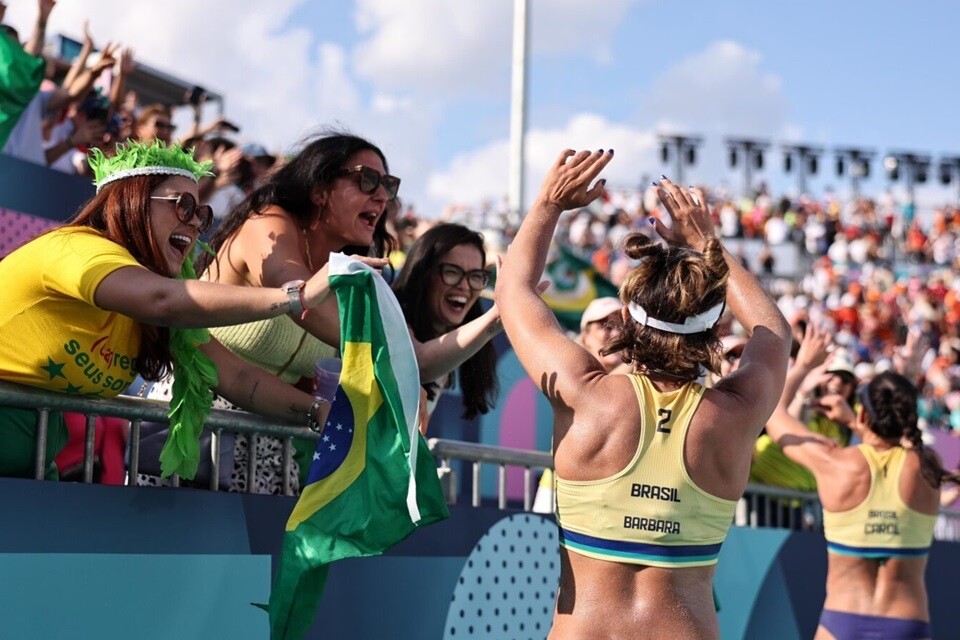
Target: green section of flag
(20, 78)
(574, 284)
(376, 485)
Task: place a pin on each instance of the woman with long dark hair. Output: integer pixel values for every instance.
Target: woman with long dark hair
(334, 195)
(438, 289)
(880, 501)
(648, 465)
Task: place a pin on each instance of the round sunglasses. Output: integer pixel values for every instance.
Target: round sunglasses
(452, 275)
(186, 207)
(369, 179)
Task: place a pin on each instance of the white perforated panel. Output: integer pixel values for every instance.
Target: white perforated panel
(509, 583)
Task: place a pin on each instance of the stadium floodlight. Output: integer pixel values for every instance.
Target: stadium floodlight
(855, 162)
(949, 171)
(751, 151)
(911, 166)
(683, 149)
(805, 158)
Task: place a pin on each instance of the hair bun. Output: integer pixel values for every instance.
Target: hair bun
(638, 246)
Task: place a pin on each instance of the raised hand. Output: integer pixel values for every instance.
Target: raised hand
(107, 59)
(45, 8)
(692, 225)
(317, 288)
(907, 359)
(127, 63)
(87, 36)
(567, 185)
(814, 348)
(834, 407)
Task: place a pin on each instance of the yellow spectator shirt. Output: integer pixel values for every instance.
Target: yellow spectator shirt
(52, 335)
(772, 467)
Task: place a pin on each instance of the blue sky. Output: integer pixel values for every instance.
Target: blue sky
(429, 80)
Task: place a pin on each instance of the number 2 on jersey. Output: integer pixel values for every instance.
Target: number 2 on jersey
(665, 416)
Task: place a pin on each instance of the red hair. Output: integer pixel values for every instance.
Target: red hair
(121, 212)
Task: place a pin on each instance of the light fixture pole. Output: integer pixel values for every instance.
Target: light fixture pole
(805, 158)
(518, 105)
(855, 163)
(750, 151)
(682, 149)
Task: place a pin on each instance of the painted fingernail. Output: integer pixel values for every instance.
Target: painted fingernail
(651, 220)
(603, 183)
(663, 177)
(599, 150)
(611, 151)
(654, 183)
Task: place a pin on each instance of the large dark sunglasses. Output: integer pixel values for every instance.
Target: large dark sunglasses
(452, 275)
(186, 207)
(369, 179)
(863, 396)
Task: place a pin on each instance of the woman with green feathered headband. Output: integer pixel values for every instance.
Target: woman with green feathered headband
(112, 294)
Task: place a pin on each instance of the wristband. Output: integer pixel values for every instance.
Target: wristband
(312, 423)
(294, 290)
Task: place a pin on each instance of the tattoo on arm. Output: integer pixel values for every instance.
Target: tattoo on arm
(256, 383)
(295, 411)
(280, 305)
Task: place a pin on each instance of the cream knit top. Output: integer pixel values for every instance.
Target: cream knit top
(270, 343)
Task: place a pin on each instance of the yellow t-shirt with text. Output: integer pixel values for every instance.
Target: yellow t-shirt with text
(52, 335)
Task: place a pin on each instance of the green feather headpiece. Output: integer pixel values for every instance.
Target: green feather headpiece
(154, 158)
(194, 374)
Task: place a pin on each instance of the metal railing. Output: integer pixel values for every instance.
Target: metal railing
(477, 454)
(138, 410)
(760, 506)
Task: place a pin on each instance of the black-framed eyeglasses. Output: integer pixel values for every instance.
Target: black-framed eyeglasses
(369, 179)
(452, 275)
(863, 397)
(186, 207)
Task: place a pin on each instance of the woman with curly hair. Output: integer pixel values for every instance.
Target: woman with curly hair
(650, 464)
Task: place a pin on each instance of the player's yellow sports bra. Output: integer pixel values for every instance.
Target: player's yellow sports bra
(882, 526)
(651, 512)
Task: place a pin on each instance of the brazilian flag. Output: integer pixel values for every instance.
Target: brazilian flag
(372, 481)
(574, 284)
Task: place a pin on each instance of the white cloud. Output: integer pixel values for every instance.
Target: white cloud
(280, 83)
(482, 174)
(412, 60)
(716, 92)
(444, 48)
(575, 26)
(720, 89)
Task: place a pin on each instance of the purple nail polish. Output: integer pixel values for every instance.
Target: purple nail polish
(651, 220)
